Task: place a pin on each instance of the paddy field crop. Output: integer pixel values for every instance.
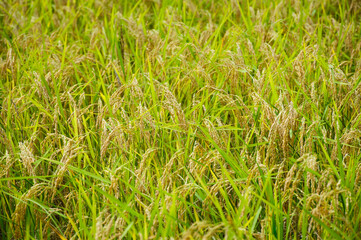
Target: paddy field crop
(174, 119)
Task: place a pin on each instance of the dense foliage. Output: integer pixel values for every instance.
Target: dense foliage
(180, 119)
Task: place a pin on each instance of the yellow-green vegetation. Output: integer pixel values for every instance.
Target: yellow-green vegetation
(177, 119)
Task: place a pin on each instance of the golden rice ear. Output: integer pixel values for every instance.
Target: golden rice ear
(6, 163)
(20, 209)
(358, 177)
(10, 63)
(27, 158)
(169, 174)
(109, 225)
(70, 151)
(310, 163)
(40, 88)
(213, 132)
(174, 107)
(99, 121)
(141, 171)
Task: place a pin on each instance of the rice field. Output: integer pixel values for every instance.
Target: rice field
(180, 119)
